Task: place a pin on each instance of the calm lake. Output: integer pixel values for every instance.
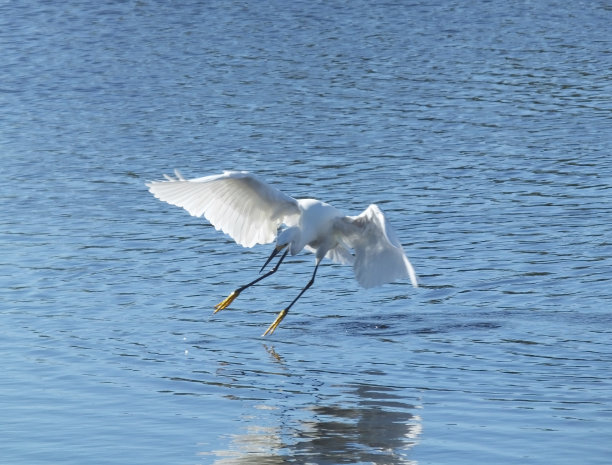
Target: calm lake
(482, 129)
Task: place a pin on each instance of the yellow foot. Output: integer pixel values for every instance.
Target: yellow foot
(275, 323)
(226, 302)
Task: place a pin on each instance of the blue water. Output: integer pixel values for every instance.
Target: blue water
(483, 130)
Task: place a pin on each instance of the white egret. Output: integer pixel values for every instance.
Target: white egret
(251, 212)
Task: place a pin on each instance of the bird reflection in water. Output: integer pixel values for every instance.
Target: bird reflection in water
(379, 429)
(366, 423)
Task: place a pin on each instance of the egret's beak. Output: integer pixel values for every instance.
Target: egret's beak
(274, 253)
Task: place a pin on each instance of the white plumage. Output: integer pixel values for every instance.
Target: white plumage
(237, 203)
(251, 212)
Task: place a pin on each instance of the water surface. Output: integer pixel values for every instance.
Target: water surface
(482, 129)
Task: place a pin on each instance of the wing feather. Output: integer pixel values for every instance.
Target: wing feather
(235, 202)
(379, 257)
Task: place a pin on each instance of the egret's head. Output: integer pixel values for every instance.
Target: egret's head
(289, 237)
(286, 238)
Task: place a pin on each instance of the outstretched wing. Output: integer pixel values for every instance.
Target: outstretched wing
(235, 202)
(379, 257)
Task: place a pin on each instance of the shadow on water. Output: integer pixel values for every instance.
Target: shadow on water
(359, 422)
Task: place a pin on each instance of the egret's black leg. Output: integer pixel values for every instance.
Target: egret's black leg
(284, 312)
(230, 298)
